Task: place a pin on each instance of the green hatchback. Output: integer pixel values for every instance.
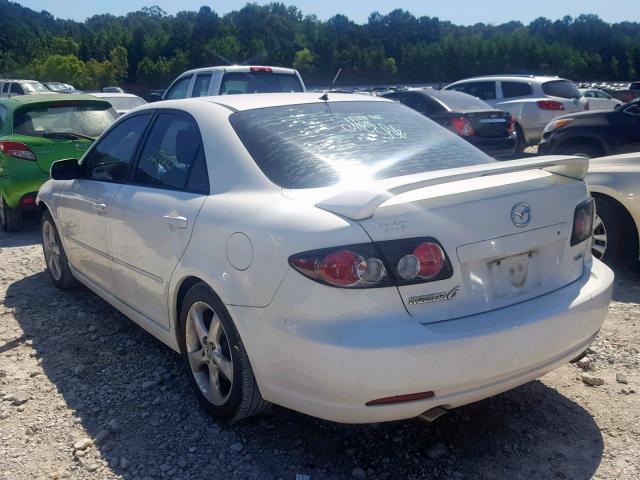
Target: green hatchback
(35, 131)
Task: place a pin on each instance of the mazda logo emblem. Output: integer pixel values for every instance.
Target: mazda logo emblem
(521, 214)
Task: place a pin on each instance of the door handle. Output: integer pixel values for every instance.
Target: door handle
(175, 221)
(100, 207)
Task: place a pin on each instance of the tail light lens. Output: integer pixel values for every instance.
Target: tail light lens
(550, 105)
(353, 266)
(17, 150)
(511, 127)
(261, 69)
(383, 264)
(582, 222)
(462, 127)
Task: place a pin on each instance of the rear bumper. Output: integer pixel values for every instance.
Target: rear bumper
(495, 147)
(306, 360)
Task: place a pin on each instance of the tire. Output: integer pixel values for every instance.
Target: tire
(614, 239)
(521, 142)
(216, 361)
(54, 254)
(10, 218)
(582, 150)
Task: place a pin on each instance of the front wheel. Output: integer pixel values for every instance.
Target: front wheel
(215, 358)
(54, 254)
(10, 218)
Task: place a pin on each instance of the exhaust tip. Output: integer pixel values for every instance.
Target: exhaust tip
(432, 414)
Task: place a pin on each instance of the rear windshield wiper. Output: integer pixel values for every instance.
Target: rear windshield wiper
(77, 136)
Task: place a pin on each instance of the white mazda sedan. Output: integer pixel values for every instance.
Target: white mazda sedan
(339, 255)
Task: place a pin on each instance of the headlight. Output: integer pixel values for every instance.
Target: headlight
(557, 124)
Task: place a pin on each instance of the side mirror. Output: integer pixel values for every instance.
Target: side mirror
(67, 169)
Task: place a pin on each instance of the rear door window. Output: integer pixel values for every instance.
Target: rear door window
(110, 158)
(561, 89)
(259, 82)
(16, 89)
(179, 89)
(201, 85)
(516, 89)
(170, 152)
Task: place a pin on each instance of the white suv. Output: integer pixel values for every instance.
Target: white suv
(533, 101)
(21, 87)
(235, 79)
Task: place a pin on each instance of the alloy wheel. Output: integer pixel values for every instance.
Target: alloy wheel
(51, 250)
(599, 243)
(209, 353)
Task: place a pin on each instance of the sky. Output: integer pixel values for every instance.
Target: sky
(461, 12)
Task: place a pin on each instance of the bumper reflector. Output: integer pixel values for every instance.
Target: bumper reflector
(401, 398)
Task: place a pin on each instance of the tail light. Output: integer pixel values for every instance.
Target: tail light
(369, 265)
(550, 105)
(582, 222)
(511, 127)
(17, 150)
(261, 69)
(462, 127)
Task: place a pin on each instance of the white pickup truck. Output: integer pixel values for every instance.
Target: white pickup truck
(236, 79)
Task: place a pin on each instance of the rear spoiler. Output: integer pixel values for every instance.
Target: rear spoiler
(361, 204)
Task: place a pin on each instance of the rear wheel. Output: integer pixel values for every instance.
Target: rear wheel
(215, 358)
(614, 239)
(10, 218)
(54, 254)
(521, 142)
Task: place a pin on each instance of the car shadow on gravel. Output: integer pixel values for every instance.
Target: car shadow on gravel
(627, 286)
(130, 391)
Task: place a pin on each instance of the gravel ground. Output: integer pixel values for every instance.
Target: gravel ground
(87, 394)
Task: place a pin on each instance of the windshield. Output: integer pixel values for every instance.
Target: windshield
(561, 88)
(321, 144)
(34, 87)
(124, 103)
(259, 82)
(84, 118)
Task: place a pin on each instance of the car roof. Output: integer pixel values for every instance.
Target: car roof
(253, 101)
(45, 97)
(535, 78)
(112, 94)
(238, 68)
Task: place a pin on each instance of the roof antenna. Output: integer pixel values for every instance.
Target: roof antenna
(325, 97)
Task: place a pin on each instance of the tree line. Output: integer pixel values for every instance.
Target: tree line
(150, 48)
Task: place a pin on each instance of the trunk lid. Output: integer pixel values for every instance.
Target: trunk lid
(48, 150)
(496, 259)
(495, 263)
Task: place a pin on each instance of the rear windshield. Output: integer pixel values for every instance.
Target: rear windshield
(125, 103)
(259, 82)
(84, 118)
(320, 144)
(561, 88)
(460, 101)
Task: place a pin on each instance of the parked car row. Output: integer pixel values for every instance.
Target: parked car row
(350, 229)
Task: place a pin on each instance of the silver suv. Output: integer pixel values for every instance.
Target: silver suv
(533, 101)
